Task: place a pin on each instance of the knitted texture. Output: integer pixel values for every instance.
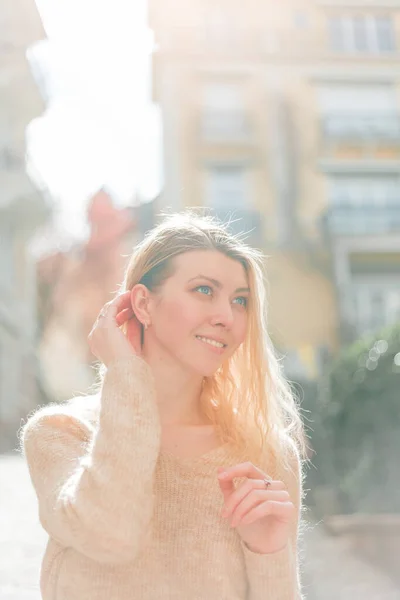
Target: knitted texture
(127, 520)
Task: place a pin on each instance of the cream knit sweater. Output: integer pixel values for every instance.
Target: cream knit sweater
(127, 521)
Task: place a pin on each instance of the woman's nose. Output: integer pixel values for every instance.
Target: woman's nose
(223, 315)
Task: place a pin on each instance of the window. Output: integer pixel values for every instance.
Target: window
(362, 33)
(384, 34)
(337, 34)
(229, 196)
(358, 98)
(227, 188)
(376, 301)
(224, 116)
(378, 191)
(222, 96)
(368, 205)
(300, 19)
(360, 111)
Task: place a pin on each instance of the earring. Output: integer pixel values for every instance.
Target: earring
(145, 325)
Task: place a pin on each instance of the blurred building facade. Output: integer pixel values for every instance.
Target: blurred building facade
(22, 210)
(288, 114)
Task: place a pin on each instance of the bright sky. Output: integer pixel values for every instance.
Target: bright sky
(100, 127)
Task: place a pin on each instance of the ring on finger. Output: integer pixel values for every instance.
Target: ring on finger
(267, 482)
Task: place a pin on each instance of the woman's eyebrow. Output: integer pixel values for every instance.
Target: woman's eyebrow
(217, 283)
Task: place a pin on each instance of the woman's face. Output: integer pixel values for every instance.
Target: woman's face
(199, 315)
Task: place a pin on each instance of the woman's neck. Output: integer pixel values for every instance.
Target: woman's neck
(178, 393)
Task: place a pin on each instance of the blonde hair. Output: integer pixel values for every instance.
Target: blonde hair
(248, 399)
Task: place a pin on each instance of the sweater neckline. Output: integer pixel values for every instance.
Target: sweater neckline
(203, 459)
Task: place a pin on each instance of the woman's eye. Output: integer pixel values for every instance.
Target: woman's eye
(242, 300)
(204, 289)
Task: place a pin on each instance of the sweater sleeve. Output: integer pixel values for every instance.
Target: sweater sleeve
(95, 488)
(277, 576)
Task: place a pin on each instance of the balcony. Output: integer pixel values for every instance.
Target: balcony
(344, 218)
(225, 126)
(355, 127)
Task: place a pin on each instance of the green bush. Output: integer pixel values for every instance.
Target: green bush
(356, 426)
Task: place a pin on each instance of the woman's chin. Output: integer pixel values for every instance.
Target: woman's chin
(206, 370)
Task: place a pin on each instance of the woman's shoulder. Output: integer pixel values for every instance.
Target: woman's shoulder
(290, 464)
(77, 417)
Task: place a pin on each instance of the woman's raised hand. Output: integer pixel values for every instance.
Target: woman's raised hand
(260, 509)
(106, 340)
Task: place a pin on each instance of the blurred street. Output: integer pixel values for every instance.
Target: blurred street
(332, 572)
(22, 540)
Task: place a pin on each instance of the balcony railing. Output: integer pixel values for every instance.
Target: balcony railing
(344, 218)
(356, 127)
(225, 126)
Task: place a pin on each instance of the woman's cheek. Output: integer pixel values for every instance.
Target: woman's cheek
(182, 315)
(242, 329)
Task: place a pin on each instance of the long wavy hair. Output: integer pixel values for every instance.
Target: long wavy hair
(247, 399)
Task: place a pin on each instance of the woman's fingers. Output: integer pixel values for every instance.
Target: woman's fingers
(111, 309)
(255, 498)
(246, 469)
(281, 510)
(122, 301)
(124, 316)
(106, 340)
(242, 470)
(249, 486)
(253, 491)
(227, 487)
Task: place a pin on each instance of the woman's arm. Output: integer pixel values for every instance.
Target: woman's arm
(277, 576)
(95, 492)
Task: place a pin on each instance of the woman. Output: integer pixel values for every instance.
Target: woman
(181, 478)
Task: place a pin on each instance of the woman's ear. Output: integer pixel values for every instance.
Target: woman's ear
(140, 297)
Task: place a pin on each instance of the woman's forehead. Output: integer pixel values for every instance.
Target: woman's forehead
(211, 264)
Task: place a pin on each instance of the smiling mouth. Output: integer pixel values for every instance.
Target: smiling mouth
(211, 342)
